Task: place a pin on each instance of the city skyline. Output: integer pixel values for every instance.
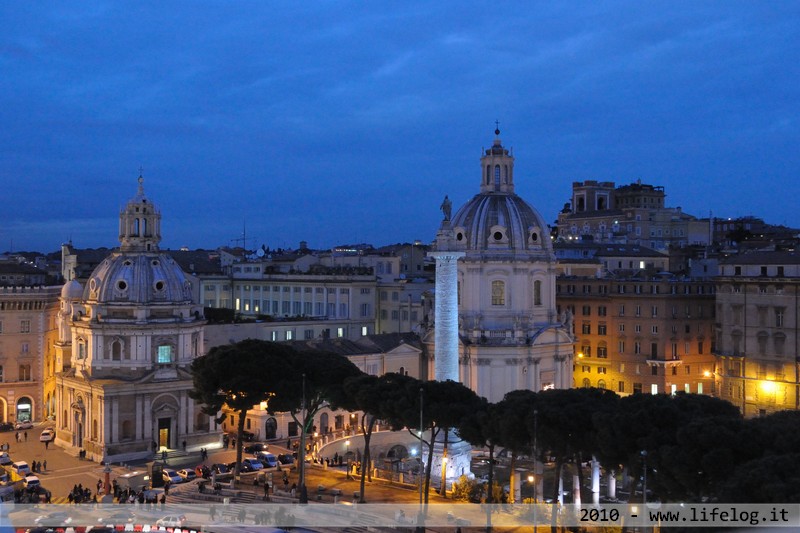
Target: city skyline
(340, 122)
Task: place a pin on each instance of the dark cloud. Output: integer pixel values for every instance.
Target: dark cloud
(342, 121)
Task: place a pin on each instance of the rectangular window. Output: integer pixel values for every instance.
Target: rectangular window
(621, 386)
(24, 347)
(364, 331)
(165, 354)
(601, 310)
(384, 296)
(637, 347)
(637, 328)
(638, 310)
(601, 329)
(637, 388)
(498, 293)
(586, 328)
(1, 327)
(779, 317)
(602, 370)
(308, 334)
(365, 290)
(654, 370)
(395, 315)
(654, 329)
(621, 328)
(621, 310)
(289, 335)
(24, 372)
(655, 310)
(602, 352)
(587, 310)
(340, 332)
(621, 346)
(395, 296)
(24, 326)
(364, 309)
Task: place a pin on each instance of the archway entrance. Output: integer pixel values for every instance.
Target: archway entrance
(24, 409)
(164, 432)
(270, 428)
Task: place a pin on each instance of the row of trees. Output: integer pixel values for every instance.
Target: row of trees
(698, 447)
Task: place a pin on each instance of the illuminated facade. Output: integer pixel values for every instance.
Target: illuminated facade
(758, 295)
(640, 334)
(125, 344)
(511, 336)
(27, 363)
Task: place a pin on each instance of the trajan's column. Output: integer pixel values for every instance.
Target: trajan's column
(455, 460)
(446, 309)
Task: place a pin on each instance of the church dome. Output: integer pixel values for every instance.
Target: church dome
(496, 220)
(72, 290)
(139, 273)
(138, 278)
(491, 221)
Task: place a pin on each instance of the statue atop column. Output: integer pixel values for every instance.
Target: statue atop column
(446, 207)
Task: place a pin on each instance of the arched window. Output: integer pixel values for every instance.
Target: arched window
(144, 227)
(116, 351)
(136, 227)
(497, 175)
(488, 174)
(537, 292)
(498, 293)
(601, 384)
(586, 383)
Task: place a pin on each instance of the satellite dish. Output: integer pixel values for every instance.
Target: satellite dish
(260, 252)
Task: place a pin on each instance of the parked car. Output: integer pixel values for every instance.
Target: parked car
(256, 447)
(5, 459)
(57, 518)
(221, 470)
(120, 517)
(30, 482)
(171, 475)
(6, 426)
(47, 435)
(269, 460)
(23, 424)
(173, 520)
(21, 468)
(187, 474)
(286, 460)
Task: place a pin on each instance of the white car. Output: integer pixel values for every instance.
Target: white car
(172, 476)
(30, 481)
(171, 521)
(5, 459)
(47, 435)
(23, 424)
(187, 474)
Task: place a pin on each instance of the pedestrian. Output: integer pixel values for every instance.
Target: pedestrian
(46, 444)
(184, 445)
(289, 444)
(44, 466)
(242, 515)
(233, 443)
(212, 512)
(8, 446)
(17, 435)
(164, 455)
(266, 490)
(26, 436)
(163, 501)
(99, 485)
(166, 487)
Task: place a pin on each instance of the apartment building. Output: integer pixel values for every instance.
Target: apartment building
(641, 334)
(757, 328)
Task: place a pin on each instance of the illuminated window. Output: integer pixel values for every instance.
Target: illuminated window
(165, 354)
(498, 293)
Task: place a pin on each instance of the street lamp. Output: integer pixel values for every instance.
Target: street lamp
(644, 478)
(347, 455)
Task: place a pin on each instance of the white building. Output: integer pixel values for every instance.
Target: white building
(511, 336)
(126, 341)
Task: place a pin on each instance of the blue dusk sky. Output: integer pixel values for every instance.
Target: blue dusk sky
(339, 122)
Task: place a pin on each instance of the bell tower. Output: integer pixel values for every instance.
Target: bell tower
(139, 224)
(497, 168)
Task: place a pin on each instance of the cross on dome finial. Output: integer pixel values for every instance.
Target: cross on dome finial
(497, 127)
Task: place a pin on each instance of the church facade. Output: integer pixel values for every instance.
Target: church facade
(126, 341)
(510, 334)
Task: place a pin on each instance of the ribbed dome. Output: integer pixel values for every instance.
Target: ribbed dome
(72, 290)
(499, 222)
(138, 278)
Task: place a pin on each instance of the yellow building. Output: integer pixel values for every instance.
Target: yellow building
(641, 334)
(757, 329)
